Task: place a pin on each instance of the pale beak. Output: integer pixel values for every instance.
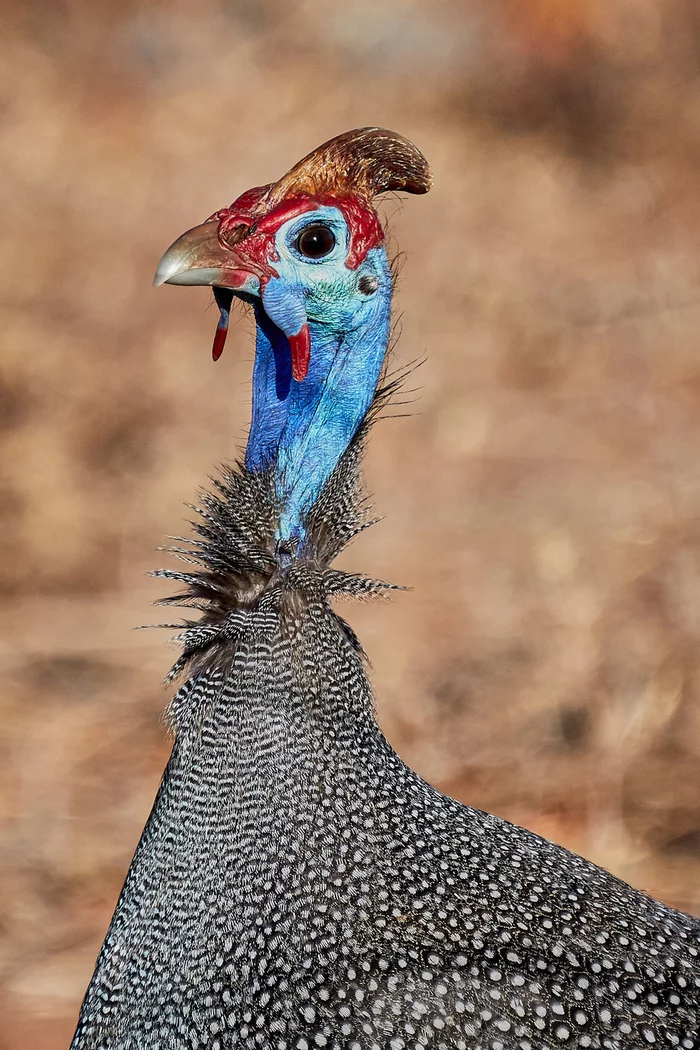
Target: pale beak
(199, 258)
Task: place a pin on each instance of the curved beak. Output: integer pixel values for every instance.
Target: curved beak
(199, 258)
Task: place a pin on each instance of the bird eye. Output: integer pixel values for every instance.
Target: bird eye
(316, 241)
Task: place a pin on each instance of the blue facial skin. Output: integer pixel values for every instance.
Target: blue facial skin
(303, 428)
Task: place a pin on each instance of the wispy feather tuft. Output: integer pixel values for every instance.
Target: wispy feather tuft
(233, 565)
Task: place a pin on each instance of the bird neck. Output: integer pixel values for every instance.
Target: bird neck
(301, 429)
(276, 715)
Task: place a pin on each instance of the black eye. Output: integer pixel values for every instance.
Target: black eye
(316, 241)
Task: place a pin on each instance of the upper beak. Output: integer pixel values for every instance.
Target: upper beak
(198, 257)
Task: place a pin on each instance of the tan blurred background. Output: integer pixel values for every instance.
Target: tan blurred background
(543, 499)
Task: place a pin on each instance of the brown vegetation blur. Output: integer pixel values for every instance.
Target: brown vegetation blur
(542, 499)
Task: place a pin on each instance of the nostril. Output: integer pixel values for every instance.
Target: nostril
(368, 284)
(232, 230)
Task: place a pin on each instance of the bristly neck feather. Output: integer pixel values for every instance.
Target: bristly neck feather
(301, 430)
(233, 564)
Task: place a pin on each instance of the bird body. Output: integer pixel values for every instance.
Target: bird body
(297, 885)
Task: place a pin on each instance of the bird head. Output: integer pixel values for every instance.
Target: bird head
(309, 247)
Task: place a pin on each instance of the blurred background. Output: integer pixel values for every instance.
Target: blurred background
(542, 499)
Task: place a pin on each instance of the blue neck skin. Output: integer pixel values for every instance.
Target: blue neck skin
(303, 428)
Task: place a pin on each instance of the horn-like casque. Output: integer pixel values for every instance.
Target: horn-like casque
(363, 162)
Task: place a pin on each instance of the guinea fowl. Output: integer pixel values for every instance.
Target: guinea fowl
(297, 885)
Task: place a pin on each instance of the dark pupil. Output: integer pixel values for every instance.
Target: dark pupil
(316, 241)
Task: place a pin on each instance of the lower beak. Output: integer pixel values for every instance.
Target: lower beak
(199, 258)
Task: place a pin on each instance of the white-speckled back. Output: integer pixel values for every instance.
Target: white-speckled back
(297, 886)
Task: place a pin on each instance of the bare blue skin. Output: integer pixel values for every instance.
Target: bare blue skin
(303, 428)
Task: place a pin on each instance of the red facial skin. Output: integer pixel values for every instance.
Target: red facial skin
(257, 247)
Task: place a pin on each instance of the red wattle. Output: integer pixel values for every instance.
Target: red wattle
(300, 345)
(219, 340)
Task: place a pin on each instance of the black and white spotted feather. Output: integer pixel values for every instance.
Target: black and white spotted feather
(297, 886)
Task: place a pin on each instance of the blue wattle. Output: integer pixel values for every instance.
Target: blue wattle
(303, 428)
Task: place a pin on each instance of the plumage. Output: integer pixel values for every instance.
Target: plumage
(297, 885)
